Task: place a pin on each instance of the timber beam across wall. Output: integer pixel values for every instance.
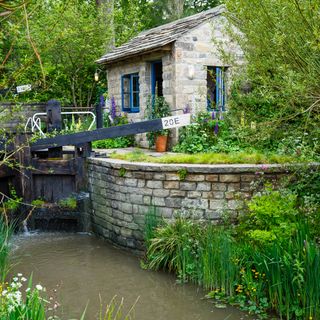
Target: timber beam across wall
(99, 134)
(82, 138)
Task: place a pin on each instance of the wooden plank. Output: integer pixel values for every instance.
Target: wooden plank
(53, 167)
(99, 134)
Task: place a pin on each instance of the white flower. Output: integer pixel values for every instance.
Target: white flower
(10, 308)
(19, 274)
(4, 292)
(39, 287)
(23, 279)
(28, 289)
(15, 279)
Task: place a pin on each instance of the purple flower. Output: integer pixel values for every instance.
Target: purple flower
(113, 111)
(221, 116)
(186, 109)
(101, 101)
(264, 167)
(213, 115)
(216, 128)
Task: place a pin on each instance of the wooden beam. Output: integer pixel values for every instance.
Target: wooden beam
(99, 134)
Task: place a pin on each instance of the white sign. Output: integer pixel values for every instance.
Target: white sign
(26, 87)
(176, 121)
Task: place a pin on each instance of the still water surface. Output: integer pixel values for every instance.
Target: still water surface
(80, 267)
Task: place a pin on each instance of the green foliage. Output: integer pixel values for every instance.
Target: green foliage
(68, 203)
(6, 231)
(208, 158)
(12, 202)
(152, 221)
(38, 203)
(157, 107)
(278, 90)
(182, 173)
(272, 215)
(122, 172)
(119, 142)
(63, 67)
(15, 306)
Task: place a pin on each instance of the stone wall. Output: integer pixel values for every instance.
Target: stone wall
(197, 49)
(122, 192)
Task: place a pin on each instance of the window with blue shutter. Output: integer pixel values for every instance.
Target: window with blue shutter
(130, 93)
(216, 88)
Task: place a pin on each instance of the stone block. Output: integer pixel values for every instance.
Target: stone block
(139, 219)
(233, 186)
(229, 178)
(160, 193)
(245, 186)
(212, 177)
(159, 176)
(173, 202)
(141, 183)
(229, 195)
(195, 177)
(218, 195)
(130, 182)
(136, 198)
(177, 193)
(217, 204)
(128, 217)
(154, 184)
(188, 186)
(172, 177)
(219, 186)
(203, 186)
(126, 207)
(166, 212)
(158, 202)
(194, 203)
(147, 200)
(247, 177)
(126, 232)
(194, 194)
(171, 184)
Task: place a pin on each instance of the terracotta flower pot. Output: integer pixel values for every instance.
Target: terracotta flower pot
(161, 143)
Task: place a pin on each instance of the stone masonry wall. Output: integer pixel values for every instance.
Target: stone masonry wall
(122, 192)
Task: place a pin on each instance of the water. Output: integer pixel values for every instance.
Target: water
(76, 268)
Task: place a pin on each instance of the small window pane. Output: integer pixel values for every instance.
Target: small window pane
(126, 85)
(126, 101)
(136, 99)
(135, 83)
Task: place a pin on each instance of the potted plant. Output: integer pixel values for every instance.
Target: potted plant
(157, 107)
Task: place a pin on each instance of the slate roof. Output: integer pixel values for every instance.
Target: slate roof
(158, 37)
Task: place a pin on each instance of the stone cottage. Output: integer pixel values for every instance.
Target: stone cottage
(180, 61)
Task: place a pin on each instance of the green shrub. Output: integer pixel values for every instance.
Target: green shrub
(272, 215)
(68, 203)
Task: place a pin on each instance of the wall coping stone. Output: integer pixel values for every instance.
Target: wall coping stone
(198, 168)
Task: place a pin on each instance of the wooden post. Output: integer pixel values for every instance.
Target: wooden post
(99, 115)
(54, 122)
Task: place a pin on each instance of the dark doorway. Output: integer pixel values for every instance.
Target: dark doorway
(156, 79)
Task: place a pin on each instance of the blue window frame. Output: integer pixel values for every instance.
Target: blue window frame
(130, 92)
(216, 88)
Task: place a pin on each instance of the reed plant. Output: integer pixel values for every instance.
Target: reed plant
(282, 277)
(6, 231)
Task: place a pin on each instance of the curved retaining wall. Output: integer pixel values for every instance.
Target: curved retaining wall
(121, 193)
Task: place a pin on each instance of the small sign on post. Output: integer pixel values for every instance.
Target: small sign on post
(176, 121)
(26, 87)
